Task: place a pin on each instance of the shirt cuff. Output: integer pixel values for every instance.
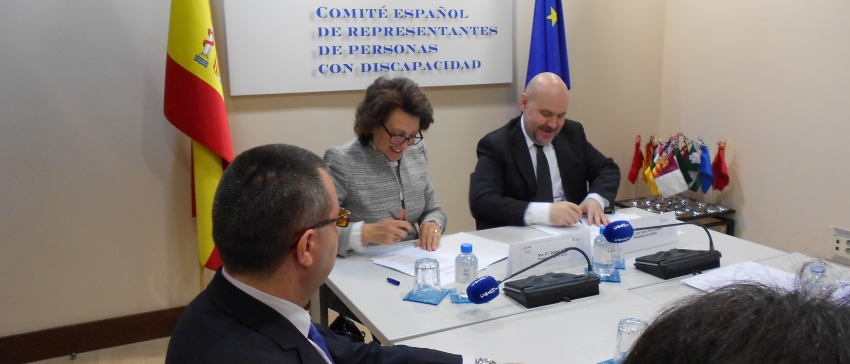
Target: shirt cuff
(537, 213)
(602, 201)
(355, 240)
(468, 359)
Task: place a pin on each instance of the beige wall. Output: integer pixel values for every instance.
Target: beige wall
(94, 204)
(773, 77)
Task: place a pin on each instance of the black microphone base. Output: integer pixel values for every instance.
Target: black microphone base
(551, 288)
(678, 262)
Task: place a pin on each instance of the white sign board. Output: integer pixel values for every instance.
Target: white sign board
(284, 46)
(525, 253)
(652, 238)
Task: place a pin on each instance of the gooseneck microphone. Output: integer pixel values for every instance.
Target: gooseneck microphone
(486, 288)
(671, 263)
(622, 231)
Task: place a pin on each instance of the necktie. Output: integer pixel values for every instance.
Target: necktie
(544, 178)
(315, 337)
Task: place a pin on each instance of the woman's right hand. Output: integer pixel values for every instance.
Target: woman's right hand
(386, 231)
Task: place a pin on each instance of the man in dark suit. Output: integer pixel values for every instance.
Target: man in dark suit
(274, 223)
(511, 187)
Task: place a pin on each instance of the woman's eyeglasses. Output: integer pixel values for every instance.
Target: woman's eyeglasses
(398, 139)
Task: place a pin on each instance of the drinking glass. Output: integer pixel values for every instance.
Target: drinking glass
(628, 332)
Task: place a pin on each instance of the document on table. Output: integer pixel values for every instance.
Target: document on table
(487, 251)
(742, 273)
(594, 230)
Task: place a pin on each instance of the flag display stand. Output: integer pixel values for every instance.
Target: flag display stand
(686, 209)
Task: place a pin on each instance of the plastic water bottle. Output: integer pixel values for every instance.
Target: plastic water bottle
(816, 281)
(466, 269)
(604, 255)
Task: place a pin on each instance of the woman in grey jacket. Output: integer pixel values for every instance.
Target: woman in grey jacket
(381, 176)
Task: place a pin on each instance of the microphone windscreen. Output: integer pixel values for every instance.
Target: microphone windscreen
(618, 231)
(482, 290)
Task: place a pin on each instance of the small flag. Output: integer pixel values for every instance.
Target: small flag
(705, 174)
(647, 158)
(650, 177)
(637, 162)
(721, 175)
(683, 161)
(548, 51)
(693, 167)
(668, 177)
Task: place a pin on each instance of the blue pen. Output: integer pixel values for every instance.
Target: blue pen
(393, 281)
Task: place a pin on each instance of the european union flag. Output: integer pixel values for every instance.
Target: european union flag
(548, 41)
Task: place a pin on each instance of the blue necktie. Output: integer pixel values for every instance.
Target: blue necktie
(314, 336)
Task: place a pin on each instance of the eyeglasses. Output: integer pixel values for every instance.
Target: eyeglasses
(398, 139)
(342, 220)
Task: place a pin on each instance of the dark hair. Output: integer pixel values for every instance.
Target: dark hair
(386, 95)
(265, 196)
(748, 323)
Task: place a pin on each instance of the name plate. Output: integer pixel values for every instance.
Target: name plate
(525, 253)
(651, 238)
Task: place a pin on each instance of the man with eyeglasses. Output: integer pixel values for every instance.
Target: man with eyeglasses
(275, 219)
(539, 168)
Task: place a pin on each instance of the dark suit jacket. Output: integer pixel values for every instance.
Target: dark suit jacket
(225, 325)
(504, 180)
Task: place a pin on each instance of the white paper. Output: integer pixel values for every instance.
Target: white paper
(594, 230)
(487, 251)
(403, 260)
(742, 273)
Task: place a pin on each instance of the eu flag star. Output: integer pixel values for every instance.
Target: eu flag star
(553, 16)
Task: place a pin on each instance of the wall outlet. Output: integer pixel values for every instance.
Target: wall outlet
(840, 245)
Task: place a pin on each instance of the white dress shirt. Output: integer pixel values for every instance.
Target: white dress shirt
(538, 212)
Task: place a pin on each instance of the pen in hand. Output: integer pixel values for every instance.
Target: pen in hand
(400, 217)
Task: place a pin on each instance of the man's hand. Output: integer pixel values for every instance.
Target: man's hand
(564, 213)
(429, 236)
(595, 213)
(386, 231)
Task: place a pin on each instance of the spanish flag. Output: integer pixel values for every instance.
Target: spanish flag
(194, 104)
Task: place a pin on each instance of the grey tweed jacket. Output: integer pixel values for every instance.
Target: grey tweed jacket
(367, 187)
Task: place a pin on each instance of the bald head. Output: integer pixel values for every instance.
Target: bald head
(546, 83)
(544, 107)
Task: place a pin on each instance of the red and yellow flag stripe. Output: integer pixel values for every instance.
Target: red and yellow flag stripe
(194, 104)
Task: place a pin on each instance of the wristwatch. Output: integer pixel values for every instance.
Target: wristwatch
(484, 361)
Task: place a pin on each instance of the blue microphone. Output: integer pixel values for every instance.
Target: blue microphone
(486, 288)
(618, 231)
(482, 290)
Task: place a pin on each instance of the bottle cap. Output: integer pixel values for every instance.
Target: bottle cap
(818, 269)
(466, 248)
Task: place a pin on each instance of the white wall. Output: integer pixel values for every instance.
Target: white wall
(773, 77)
(94, 200)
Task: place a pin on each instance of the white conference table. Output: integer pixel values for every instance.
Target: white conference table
(362, 286)
(792, 263)
(583, 331)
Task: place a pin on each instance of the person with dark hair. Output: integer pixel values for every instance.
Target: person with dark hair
(381, 175)
(274, 223)
(748, 323)
(539, 168)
